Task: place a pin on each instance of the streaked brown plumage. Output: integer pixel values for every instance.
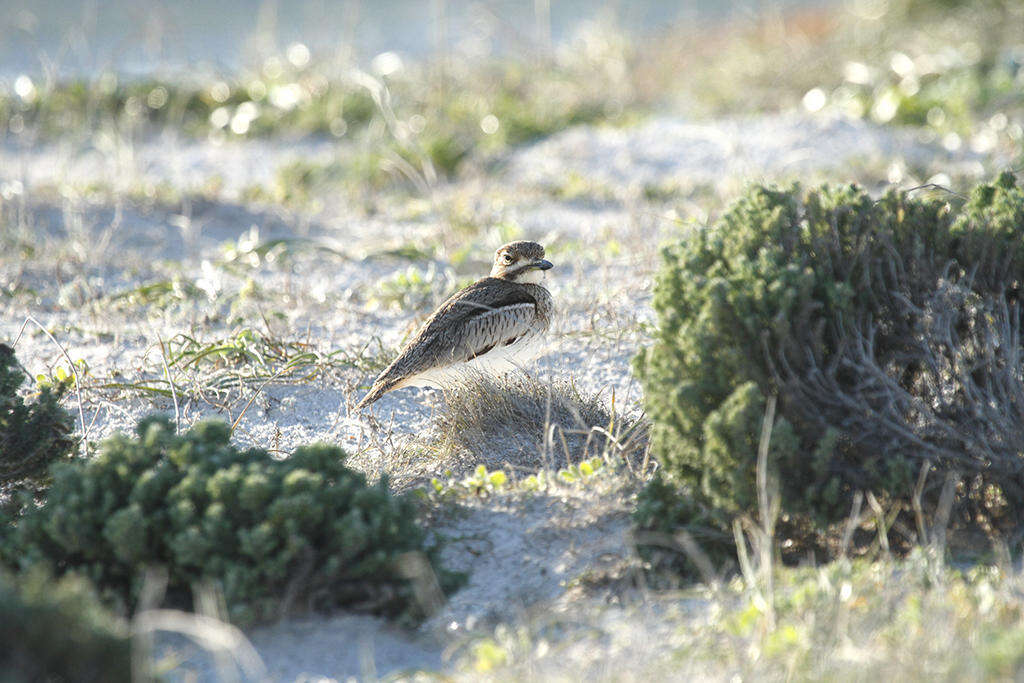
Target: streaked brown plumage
(488, 324)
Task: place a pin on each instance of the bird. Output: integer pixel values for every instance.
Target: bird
(492, 325)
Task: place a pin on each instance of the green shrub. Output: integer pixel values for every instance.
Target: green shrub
(57, 631)
(667, 522)
(887, 329)
(32, 435)
(267, 532)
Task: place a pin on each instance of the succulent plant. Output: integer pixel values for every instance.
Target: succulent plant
(268, 532)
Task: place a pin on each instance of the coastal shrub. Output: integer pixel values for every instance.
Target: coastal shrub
(678, 533)
(887, 329)
(267, 532)
(58, 631)
(32, 434)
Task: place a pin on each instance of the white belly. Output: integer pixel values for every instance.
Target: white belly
(498, 361)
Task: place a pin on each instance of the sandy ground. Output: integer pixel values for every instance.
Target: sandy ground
(524, 553)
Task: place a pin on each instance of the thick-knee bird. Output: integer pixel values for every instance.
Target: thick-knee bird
(492, 325)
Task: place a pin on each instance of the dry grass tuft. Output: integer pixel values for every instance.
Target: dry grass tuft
(523, 424)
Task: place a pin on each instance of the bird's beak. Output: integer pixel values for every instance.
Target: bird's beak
(543, 264)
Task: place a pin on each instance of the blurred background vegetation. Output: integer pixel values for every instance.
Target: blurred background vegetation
(418, 91)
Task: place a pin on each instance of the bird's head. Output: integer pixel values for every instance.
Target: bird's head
(520, 262)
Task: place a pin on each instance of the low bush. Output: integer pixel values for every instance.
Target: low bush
(58, 631)
(32, 434)
(888, 330)
(678, 534)
(269, 533)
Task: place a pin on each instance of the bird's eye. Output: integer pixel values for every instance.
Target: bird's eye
(508, 258)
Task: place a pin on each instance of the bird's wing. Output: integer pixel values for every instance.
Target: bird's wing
(472, 322)
(481, 297)
(500, 326)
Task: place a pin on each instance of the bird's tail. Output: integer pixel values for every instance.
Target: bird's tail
(382, 386)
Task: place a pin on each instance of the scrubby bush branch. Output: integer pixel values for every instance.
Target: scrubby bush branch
(962, 402)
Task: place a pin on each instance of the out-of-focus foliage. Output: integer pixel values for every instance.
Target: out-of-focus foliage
(32, 434)
(888, 330)
(886, 620)
(961, 94)
(410, 120)
(905, 620)
(58, 631)
(305, 529)
(951, 68)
